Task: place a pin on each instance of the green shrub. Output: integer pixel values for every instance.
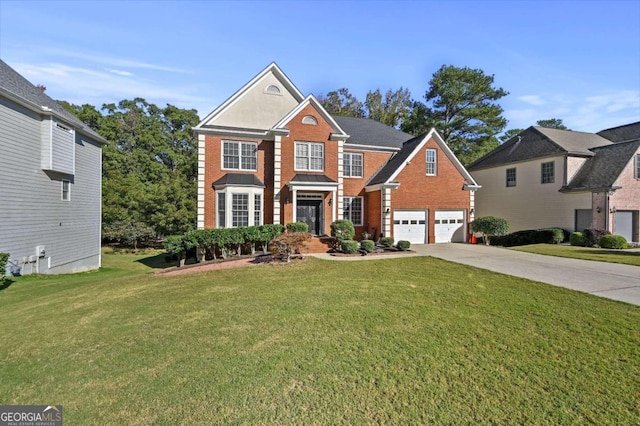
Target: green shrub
(4, 258)
(297, 227)
(490, 226)
(613, 242)
(349, 246)
(578, 239)
(593, 236)
(285, 245)
(403, 245)
(529, 236)
(367, 245)
(386, 241)
(342, 230)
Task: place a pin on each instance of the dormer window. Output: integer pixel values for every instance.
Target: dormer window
(309, 119)
(272, 89)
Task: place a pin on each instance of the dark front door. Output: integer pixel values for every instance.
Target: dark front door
(310, 212)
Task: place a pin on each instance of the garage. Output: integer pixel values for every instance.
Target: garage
(449, 226)
(623, 222)
(410, 225)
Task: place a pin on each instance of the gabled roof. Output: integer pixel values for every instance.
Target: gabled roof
(601, 171)
(368, 132)
(624, 133)
(272, 69)
(538, 142)
(410, 148)
(15, 86)
(311, 100)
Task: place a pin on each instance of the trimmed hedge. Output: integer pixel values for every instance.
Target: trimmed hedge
(342, 230)
(297, 227)
(4, 258)
(578, 239)
(367, 245)
(593, 236)
(387, 242)
(403, 245)
(349, 246)
(613, 242)
(530, 236)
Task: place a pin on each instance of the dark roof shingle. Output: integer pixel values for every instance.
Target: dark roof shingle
(239, 179)
(624, 133)
(396, 161)
(365, 131)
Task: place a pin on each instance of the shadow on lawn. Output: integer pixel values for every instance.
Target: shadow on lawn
(159, 261)
(610, 252)
(5, 284)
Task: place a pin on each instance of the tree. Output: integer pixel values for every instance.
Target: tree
(490, 226)
(341, 102)
(149, 166)
(390, 110)
(509, 134)
(461, 105)
(552, 123)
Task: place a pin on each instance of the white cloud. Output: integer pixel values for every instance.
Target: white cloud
(532, 100)
(120, 72)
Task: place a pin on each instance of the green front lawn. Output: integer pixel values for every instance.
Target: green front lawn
(405, 341)
(587, 253)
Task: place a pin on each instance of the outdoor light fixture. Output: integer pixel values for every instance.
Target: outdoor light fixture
(613, 210)
(598, 209)
(286, 200)
(386, 212)
(330, 201)
(472, 211)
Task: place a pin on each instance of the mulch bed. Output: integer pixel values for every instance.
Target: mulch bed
(374, 253)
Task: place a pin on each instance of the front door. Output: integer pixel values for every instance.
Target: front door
(310, 212)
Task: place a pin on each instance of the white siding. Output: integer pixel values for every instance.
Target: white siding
(530, 204)
(32, 212)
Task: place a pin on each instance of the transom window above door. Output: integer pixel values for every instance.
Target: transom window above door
(238, 155)
(309, 156)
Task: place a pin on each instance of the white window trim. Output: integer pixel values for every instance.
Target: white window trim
(310, 120)
(515, 177)
(435, 161)
(345, 201)
(68, 182)
(228, 213)
(295, 157)
(351, 175)
(240, 143)
(637, 171)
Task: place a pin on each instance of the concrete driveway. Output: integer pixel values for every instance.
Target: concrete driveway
(610, 280)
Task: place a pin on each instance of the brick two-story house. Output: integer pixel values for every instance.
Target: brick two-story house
(268, 154)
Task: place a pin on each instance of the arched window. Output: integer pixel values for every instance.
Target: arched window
(309, 119)
(272, 89)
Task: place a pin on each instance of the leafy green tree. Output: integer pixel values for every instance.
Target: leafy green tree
(149, 166)
(509, 134)
(490, 226)
(341, 102)
(128, 233)
(461, 105)
(552, 123)
(392, 109)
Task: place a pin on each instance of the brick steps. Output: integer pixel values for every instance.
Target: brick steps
(318, 245)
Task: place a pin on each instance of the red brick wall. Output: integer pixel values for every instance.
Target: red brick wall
(372, 204)
(299, 132)
(213, 172)
(419, 191)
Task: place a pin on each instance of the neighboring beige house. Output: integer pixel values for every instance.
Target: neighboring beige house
(557, 178)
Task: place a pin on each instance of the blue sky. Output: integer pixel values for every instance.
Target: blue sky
(575, 60)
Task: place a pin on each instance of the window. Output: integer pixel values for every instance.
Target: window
(66, 190)
(432, 162)
(352, 165)
(239, 210)
(309, 156)
(547, 172)
(511, 177)
(272, 89)
(257, 209)
(353, 210)
(221, 209)
(239, 155)
(637, 166)
(309, 119)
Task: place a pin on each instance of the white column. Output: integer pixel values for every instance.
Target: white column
(277, 179)
(386, 204)
(338, 201)
(334, 207)
(201, 181)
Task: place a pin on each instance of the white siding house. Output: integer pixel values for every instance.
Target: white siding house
(50, 182)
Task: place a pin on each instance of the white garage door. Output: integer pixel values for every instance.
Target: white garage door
(410, 226)
(624, 224)
(449, 226)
